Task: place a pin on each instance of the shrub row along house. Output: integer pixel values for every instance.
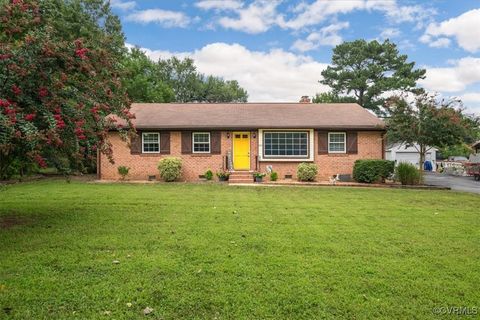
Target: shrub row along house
(246, 137)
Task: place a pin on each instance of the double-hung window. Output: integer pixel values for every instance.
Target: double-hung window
(337, 142)
(150, 142)
(285, 144)
(201, 142)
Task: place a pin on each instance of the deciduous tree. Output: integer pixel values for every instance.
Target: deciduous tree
(189, 85)
(428, 122)
(331, 97)
(142, 80)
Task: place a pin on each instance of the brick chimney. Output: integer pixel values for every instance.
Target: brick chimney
(305, 99)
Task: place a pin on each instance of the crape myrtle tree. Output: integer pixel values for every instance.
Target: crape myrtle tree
(59, 78)
(428, 122)
(367, 71)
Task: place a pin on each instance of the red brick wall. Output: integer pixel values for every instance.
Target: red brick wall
(143, 165)
(369, 147)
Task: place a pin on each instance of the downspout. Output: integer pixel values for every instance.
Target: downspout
(384, 134)
(99, 163)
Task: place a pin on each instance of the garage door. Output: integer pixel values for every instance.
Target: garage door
(409, 157)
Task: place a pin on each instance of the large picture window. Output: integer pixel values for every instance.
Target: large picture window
(201, 142)
(285, 144)
(336, 142)
(150, 142)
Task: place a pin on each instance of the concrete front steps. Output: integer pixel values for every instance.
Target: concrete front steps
(240, 177)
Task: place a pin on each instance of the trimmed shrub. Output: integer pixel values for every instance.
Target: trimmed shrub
(407, 173)
(208, 175)
(369, 171)
(170, 168)
(123, 171)
(307, 171)
(273, 176)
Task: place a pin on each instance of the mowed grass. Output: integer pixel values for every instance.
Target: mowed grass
(221, 252)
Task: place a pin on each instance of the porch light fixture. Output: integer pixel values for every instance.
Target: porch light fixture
(228, 135)
(254, 135)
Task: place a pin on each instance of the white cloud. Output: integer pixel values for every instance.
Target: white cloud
(274, 76)
(258, 17)
(406, 44)
(471, 100)
(464, 28)
(219, 4)
(390, 33)
(165, 18)
(470, 97)
(464, 72)
(327, 36)
(417, 14)
(319, 11)
(123, 5)
(440, 43)
(155, 55)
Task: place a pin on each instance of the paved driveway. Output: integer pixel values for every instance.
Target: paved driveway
(467, 184)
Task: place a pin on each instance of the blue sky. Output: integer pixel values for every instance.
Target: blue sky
(277, 49)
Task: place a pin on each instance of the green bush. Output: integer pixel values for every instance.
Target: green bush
(208, 175)
(307, 171)
(273, 176)
(369, 171)
(407, 173)
(223, 175)
(123, 171)
(170, 168)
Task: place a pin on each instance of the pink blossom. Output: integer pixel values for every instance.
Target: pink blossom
(60, 124)
(4, 103)
(41, 162)
(43, 92)
(30, 116)
(81, 53)
(16, 90)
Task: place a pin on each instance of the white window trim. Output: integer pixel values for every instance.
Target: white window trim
(344, 142)
(311, 149)
(209, 142)
(143, 145)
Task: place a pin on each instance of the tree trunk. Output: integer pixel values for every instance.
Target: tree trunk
(422, 156)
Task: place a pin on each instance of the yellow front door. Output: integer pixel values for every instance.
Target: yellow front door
(241, 150)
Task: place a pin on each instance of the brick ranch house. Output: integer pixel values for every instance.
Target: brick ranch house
(246, 137)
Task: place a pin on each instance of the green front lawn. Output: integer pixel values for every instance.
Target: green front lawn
(213, 251)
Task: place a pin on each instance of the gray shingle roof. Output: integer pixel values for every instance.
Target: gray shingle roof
(254, 116)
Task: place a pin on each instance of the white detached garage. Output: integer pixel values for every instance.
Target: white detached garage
(408, 153)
